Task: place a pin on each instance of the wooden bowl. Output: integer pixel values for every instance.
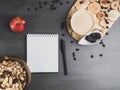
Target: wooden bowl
(25, 66)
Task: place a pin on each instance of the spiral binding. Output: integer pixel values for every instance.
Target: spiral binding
(42, 35)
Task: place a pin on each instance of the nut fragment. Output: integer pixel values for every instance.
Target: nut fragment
(5, 81)
(10, 64)
(10, 80)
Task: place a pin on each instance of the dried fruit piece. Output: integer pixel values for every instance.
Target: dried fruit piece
(115, 5)
(101, 15)
(105, 3)
(94, 8)
(113, 15)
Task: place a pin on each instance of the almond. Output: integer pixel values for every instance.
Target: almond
(10, 64)
(10, 80)
(5, 81)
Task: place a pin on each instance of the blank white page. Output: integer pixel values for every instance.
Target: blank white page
(42, 52)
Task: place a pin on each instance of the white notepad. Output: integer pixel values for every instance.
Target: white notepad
(42, 52)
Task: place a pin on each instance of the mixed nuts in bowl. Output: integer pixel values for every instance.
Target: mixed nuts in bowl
(14, 74)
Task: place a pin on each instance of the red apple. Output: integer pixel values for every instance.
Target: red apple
(18, 24)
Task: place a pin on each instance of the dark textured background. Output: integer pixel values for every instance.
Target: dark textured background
(98, 73)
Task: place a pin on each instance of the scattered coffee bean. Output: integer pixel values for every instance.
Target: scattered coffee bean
(53, 1)
(74, 59)
(98, 1)
(103, 45)
(63, 34)
(101, 42)
(57, 1)
(67, 2)
(92, 56)
(39, 2)
(52, 7)
(28, 9)
(108, 1)
(73, 54)
(45, 3)
(107, 27)
(106, 15)
(62, 25)
(77, 49)
(71, 41)
(40, 6)
(109, 10)
(81, 2)
(102, 7)
(35, 8)
(61, 3)
(106, 33)
(101, 55)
